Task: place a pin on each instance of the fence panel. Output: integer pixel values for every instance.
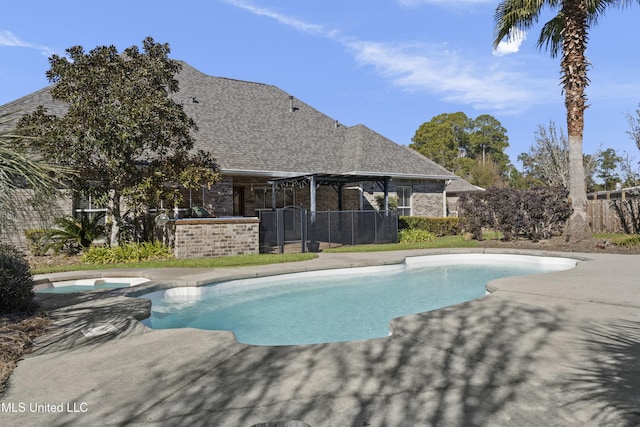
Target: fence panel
(602, 216)
(296, 230)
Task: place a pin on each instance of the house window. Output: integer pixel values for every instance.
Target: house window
(404, 200)
(284, 197)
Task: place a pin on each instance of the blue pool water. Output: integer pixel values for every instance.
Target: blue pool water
(331, 306)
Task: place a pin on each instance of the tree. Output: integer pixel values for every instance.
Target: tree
(456, 141)
(567, 33)
(485, 173)
(122, 130)
(634, 124)
(548, 160)
(608, 161)
(489, 139)
(444, 139)
(28, 183)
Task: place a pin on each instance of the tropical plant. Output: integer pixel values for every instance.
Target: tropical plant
(71, 234)
(16, 283)
(28, 183)
(566, 33)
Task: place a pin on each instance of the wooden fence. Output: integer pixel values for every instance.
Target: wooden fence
(601, 215)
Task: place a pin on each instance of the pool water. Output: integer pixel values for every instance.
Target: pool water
(333, 306)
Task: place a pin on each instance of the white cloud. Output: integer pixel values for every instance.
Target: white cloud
(448, 3)
(511, 44)
(299, 25)
(434, 69)
(454, 79)
(8, 39)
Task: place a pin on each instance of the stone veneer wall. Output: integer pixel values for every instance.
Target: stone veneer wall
(212, 237)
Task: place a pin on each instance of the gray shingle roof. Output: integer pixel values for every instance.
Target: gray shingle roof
(462, 186)
(250, 128)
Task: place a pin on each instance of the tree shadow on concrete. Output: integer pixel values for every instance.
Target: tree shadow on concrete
(461, 366)
(610, 380)
(89, 319)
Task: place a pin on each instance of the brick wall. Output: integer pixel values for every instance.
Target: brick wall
(203, 238)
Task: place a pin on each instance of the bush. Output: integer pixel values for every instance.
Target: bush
(534, 214)
(391, 200)
(414, 235)
(628, 211)
(71, 234)
(630, 241)
(36, 238)
(438, 226)
(16, 283)
(127, 253)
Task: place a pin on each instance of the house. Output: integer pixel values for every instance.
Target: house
(455, 189)
(275, 150)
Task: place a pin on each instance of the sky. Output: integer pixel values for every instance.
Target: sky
(390, 65)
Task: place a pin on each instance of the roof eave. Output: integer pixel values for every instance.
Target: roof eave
(405, 175)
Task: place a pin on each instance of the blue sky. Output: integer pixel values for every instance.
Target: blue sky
(390, 64)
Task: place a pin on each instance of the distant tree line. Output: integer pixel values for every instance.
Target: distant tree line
(474, 149)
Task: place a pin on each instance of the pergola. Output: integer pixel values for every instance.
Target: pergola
(337, 181)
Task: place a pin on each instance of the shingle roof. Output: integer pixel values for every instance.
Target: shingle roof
(251, 128)
(462, 186)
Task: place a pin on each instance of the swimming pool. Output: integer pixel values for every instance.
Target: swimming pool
(86, 285)
(337, 305)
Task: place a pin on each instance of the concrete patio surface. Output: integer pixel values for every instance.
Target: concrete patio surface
(554, 349)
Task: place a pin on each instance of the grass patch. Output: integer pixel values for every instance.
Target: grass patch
(437, 243)
(618, 239)
(218, 262)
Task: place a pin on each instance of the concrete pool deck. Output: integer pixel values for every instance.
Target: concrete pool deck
(556, 349)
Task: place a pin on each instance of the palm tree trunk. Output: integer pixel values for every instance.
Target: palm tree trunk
(574, 79)
(116, 219)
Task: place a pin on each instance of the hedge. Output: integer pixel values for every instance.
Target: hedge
(437, 226)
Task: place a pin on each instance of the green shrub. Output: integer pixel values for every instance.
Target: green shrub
(71, 234)
(438, 226)
(127, 253)
(391, 200)
(16, 283)
(36, 237)
(414, 235)
(630, 241)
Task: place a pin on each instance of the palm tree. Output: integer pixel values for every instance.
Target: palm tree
(568, 33)
(73, 234)
(28, 184)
